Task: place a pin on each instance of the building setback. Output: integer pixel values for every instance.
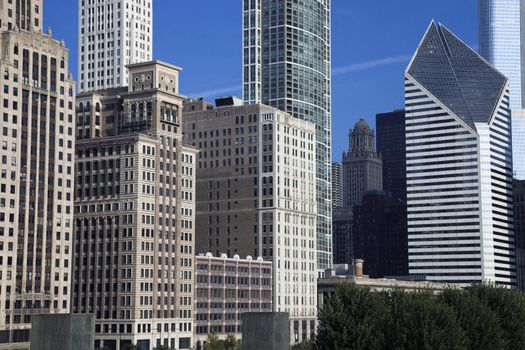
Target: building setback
(391, 145)
(287, 65)
(134, 213)
(502, 42)
(459, 164)
(256, 196)
(111, 35)
(36, 172)
(225, 289)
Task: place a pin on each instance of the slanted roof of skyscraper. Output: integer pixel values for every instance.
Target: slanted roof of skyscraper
(457, 75)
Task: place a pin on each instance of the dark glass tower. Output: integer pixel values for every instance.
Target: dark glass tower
(379, 235)
(390, 139)
(286, 64)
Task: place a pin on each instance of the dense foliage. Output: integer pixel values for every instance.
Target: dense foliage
(479, 317)
(214, 343)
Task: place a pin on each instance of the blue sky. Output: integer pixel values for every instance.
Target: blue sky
(371, 44)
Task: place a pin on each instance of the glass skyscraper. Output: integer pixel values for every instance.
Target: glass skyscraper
(286, 64)
(391, 144)
(501, 42)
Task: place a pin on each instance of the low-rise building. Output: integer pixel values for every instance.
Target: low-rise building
(333, 278)
(225, 289)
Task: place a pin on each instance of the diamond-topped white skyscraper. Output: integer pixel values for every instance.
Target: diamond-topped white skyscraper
(502, 42)
(459, 164)
(111, 35)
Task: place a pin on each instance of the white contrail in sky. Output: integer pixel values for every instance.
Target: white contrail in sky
(215, 92)
(357, 67)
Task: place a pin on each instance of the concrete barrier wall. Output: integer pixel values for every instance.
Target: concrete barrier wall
(64, 332)
(264, 331)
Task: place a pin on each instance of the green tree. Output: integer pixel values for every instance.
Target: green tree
(481, 317)
(231, 343)
(353, 319)
(304, 345)
(481, 325)
(213, 343)
(418, 321)
(509, 306)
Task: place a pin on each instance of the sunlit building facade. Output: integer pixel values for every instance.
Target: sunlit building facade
(501, 42)
(459, 165)
(134, 213)
(111, 35)
(256, 196)
(286, 65)
(37, 145)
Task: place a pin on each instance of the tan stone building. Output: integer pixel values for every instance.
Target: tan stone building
(36, 172)
(256, 196)
(225, 289)
(21, 14)
(134, 213)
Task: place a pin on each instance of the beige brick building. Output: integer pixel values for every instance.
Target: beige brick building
(256, 196)
(36, 172)
(21, 14)
(225, 289)
(134, 212)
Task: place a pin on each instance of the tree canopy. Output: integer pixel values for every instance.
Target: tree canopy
(479, 317)
(214, 343)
